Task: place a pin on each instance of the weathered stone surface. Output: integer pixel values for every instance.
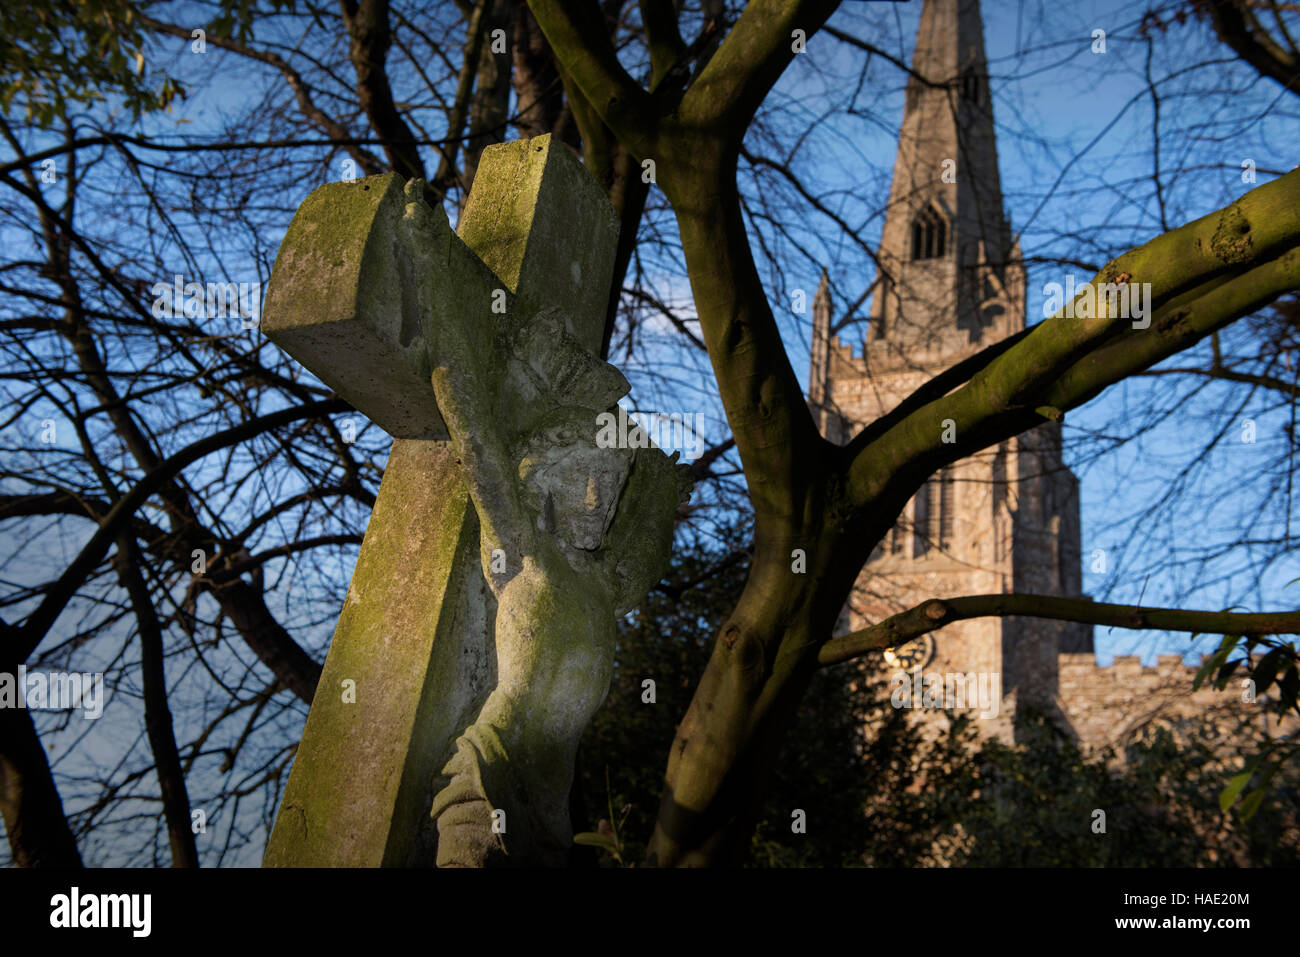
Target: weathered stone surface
(334, 304)
(535, 224)
(445, 677)
(413, 638)
(521, 403)
(546, 229)
(583, 532)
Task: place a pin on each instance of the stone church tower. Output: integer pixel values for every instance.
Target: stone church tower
(950, 284)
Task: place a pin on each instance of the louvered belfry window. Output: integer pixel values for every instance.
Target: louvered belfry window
(929, 235)
(943, 533)
(934, 514)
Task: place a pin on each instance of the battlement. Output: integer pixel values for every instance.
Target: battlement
(846, 359)
(1126, 667)
(1129, 667)
(1110, 704)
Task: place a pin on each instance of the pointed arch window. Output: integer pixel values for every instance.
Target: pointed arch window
(929, 234)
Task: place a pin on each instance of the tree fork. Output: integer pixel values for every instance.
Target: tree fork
(762, 662)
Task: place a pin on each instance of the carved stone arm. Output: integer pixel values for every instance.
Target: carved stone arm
(462, 341)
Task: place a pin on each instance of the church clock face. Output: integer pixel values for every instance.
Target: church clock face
(913, 654)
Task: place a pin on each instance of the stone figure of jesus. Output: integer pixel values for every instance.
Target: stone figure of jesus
(573, 536)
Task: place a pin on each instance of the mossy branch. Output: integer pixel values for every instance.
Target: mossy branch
(750, 60)
(931, 615)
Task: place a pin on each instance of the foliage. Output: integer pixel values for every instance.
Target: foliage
(1278, 669)
(1039, 801)
(895, 797)
(53, 54)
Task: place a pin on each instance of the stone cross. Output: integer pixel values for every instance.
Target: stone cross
(412, 659)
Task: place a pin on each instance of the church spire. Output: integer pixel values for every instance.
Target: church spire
(945, 244)
(821, 341)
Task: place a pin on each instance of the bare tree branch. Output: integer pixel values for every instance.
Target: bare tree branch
(933, 614)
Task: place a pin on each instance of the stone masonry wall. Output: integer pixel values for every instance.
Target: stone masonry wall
(1116, 705)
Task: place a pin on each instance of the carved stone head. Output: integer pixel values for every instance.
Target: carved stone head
(611, 510)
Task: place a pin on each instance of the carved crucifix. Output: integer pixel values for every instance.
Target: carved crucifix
(477, 641)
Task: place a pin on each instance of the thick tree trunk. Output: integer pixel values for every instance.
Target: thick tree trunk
(38, 831)
(763, 660)
(490, 105)
(807, 552)
(539, 94)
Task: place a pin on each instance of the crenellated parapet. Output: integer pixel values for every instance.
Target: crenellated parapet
(1118, 704)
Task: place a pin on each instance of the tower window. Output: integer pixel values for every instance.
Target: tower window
(946, 513)
(970, 86)
(921, 505)
(929, 235)
(934, 513)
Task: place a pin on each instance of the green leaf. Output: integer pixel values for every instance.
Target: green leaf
(1252, 802)
(1288, 687)
(1225, 675)
(593, 839)
(1228, 796)
(1265, 673)
(1215, 660)
(1256, 797)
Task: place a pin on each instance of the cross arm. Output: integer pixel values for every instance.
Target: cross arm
(334, 303)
